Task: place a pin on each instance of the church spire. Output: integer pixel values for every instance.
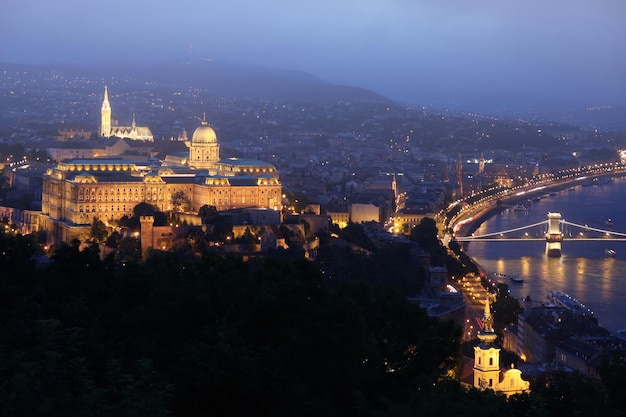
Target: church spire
(105, 115)
(487, 319)
(487, 334)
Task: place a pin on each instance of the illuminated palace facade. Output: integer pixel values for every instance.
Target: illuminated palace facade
(77, 191)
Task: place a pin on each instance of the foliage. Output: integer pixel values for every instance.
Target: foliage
(425, 234)
(298, 200)
(571, 393)
(249, 239)
(355, 234)
(391, 265)
(505, 311)
(221, 229)
(181, 202)
(98, 231)
(174, 335)
(208, 214)
(143, 209)
(210, 336)
(613, 376)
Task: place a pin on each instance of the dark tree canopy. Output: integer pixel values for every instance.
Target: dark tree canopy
(178, 335)
(98, 232)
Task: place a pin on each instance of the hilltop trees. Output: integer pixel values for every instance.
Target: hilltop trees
(173, 335)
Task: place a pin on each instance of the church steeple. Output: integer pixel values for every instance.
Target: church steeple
(486, 355)
(105, 115)
(487, 334)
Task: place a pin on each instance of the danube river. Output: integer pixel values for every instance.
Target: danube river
(583, 271)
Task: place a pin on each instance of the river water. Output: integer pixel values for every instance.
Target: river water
(583, 271)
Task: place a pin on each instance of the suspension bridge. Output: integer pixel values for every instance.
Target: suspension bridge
(552, 231)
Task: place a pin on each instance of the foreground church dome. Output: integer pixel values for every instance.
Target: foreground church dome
(204, 134)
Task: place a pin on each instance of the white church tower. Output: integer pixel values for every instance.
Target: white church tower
(487, 362)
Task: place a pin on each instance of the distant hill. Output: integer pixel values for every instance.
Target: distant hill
(231, 80)
(240, 80)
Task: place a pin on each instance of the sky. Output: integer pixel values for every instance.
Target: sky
(473, 53)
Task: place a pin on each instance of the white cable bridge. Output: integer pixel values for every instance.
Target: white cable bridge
(553, 235)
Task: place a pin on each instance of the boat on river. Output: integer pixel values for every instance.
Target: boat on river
(562, 299)
(610, 252)
(499, 277)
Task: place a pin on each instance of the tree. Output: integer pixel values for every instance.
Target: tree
(208, 214)
(249, 239)
(180, 201)
(144, 209)
(355, 234)
(505, 311)
(98, 231)
(425, 234)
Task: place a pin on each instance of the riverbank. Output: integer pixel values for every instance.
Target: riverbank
(584, 270)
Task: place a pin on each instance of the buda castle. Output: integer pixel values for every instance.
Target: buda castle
(77, 191)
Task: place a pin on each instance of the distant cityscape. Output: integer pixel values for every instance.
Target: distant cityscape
(334, 153)
(94, 147)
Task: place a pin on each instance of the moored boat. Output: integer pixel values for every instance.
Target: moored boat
(562, 299)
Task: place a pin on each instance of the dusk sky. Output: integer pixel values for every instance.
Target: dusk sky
(454, 51)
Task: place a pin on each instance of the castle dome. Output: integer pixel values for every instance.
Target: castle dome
(204, 134)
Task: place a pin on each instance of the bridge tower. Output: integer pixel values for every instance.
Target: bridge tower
(554, 237)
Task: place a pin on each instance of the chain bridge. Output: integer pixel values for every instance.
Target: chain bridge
(553, 231)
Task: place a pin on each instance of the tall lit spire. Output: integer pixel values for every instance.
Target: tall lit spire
(105, 113)
(487, 333)
(487, 319)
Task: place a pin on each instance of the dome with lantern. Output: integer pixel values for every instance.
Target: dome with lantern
(204, 134)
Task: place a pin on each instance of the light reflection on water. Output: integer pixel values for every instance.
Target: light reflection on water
(583, 271)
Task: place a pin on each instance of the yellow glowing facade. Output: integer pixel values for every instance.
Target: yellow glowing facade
(77, 191)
